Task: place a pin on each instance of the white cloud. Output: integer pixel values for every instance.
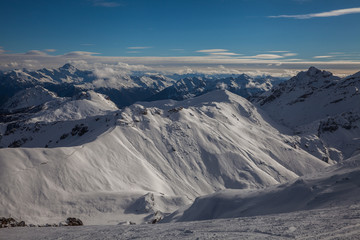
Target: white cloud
(36, 52)
(138, 47)
(289, 54)
(212, 50)
(337, 53)
(80, 54)
(103, 3)
(50, 50)
(218, 52)
(272, 63)
(224, 54)
(267, 56)
(333, 13)
(323, 57)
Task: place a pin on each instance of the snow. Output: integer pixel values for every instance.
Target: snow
(86, 104)
(242, 85)
(327, 223)
(321, 109)
(211, 166)
(30, 97)
(333, 187)
(311, 96)
(173, 149)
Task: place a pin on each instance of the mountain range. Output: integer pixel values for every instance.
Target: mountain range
(125, 89)
(71, 146)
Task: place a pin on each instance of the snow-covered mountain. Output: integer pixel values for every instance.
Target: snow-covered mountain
(175, 151)
(29, 98)
(126, 88)
(322, 109)
(68, 81)
(66, 149)
(312, 95)
(242, 85)
(65, 74)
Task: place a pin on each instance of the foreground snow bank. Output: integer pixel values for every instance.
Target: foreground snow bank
(329, 223)
(337, 185)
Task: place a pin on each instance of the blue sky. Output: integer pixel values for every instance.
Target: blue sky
(276, 30)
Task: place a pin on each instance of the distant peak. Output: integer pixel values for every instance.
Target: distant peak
(312, 71)
(315, 72)
(68, 66)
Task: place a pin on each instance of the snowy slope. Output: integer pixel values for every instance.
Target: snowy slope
(85, 104)
(329, 223)
(29, 98)
(103, 167)
(310, 96)
(322, 110)
(334, 187)
(32, 126)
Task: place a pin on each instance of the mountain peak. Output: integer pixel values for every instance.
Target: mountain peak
(313, 71)
(68, 67)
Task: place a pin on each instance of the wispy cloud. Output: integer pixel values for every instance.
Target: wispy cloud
(218, 52)
(80, 54)
(333, 13)
(50, 50)
(337, 53)
(289, 54)
(224, 54)
(322, 57)
(133, 52)
(103, 3)
(267, 56)
(36, 53)
(274, 63)
(212, 50)
(138, 47)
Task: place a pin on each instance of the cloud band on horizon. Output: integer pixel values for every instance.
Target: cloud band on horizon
(334, 13)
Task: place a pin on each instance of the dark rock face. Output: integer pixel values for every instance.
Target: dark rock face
(347, 120)
(79, 130)
(10, 222)
(74, 222)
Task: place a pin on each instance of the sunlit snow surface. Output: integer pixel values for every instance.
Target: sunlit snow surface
(237, 168)
(176, 151)
(329, 223)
